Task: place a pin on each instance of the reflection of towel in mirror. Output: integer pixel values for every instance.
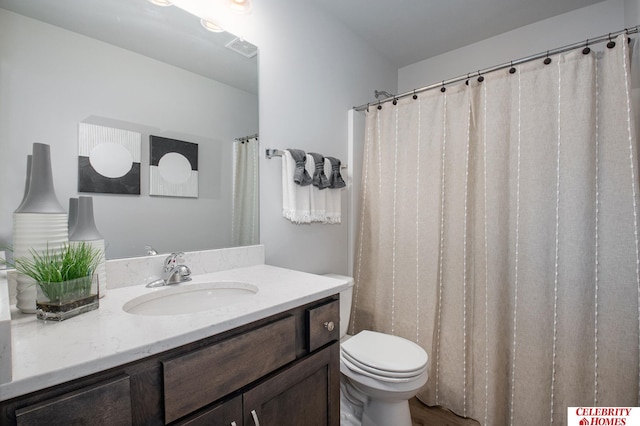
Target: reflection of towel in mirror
(300, 175)
(335, 178)
(333, 206)
(295, 198)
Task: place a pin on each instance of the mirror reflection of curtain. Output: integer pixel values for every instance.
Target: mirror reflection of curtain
(499, 230)
(245, 226)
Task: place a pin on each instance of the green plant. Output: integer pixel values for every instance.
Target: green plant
(68, 265)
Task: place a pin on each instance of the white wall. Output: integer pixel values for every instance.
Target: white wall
(52, 79)
(588, 22)
(312, 71)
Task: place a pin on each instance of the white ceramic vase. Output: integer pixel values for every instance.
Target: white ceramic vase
(39, 223)
(85, 230)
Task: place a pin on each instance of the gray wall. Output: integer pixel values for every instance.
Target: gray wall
(312, 71)
(588, 22)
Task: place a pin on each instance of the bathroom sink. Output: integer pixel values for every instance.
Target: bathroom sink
(190, 298)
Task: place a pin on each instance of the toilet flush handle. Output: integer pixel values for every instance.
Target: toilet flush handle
(329, 325)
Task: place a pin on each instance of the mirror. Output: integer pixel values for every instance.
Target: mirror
(137, 67)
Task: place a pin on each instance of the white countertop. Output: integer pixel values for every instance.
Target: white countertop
(50, 353)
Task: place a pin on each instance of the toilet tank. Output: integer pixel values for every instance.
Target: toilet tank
(346, 297)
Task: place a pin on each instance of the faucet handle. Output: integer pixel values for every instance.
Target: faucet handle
(172, 260)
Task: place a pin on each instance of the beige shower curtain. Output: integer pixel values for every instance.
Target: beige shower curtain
(245, 227)
(499, 230)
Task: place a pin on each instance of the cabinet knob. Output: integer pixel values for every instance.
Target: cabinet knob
(329, 325)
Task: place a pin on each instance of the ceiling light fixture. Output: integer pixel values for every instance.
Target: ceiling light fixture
(162, 3)
(211, 26)
(241, 6)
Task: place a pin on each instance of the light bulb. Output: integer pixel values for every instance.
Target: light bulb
(240, 6)
(211, 26)
(163, 3)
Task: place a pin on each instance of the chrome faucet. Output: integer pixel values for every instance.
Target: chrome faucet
(173, 272)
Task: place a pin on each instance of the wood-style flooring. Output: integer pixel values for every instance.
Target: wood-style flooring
(422, 415)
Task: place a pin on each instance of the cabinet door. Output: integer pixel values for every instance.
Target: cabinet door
(307, 393)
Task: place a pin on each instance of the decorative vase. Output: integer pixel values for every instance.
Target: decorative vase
(58, 301)
(39, 223)
(85, 231)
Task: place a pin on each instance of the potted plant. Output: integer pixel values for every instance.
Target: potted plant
(65, 281)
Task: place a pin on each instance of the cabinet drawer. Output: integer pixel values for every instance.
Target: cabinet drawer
(108, 403)
(324, 324)
(229, 413)
(200, 377)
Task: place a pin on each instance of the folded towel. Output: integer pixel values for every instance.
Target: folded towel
(335, 178)
(317, 198)
(319, 177)
(333, 205)
(300, 175)
(296, 204)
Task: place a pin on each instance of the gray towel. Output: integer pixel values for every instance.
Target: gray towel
(319, 178)
(335, 178)
(300, 175)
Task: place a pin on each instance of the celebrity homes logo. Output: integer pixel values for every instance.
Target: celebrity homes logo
(603, 416)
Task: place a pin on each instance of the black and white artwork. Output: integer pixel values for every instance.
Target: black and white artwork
(108, 160)
(173, 167)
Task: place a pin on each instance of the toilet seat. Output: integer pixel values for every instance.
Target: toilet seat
(366, 369)
(385, 355)
(370, 375)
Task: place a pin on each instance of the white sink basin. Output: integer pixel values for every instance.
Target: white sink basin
(190, 298)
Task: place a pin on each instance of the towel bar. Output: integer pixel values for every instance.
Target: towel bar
(270, 153)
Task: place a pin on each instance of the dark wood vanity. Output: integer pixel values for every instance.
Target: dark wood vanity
(281, 370)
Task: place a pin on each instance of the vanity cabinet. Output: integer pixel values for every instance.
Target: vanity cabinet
(281, 370)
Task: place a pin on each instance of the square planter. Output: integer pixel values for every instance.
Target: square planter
(58, 301)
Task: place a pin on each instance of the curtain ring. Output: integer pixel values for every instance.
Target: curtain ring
(586, 49)
(547, 60)
(395, 101)
(414, 95)
(512, 70)
(467, 82)
(480, 77)
(611, 43)
(443, 89)
(379, 106)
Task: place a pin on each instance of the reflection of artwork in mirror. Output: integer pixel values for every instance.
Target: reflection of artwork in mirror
(108, 160)
(173, 167)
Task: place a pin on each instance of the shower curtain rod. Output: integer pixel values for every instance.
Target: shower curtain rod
(589, 41)
(246, 138)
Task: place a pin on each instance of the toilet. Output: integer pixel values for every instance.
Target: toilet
(379, 373)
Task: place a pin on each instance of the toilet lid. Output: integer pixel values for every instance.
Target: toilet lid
(384, 352)
(374, 371)
(355, 368)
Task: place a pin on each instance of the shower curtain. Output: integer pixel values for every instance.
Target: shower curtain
(245, 222)
(499, 230)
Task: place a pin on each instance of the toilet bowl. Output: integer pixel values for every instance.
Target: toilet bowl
(379, 373)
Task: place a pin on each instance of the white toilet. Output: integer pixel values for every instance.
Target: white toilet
(380, 373)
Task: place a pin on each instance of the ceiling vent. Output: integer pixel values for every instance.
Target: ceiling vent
(242, 47)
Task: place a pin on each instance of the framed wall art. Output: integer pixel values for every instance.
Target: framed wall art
(173, 167)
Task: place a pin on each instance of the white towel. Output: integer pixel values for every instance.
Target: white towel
(296, 205)
(307, 204)
(317, 197)
(333, 202)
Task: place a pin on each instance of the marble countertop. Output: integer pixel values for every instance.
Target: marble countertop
(50, 353)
